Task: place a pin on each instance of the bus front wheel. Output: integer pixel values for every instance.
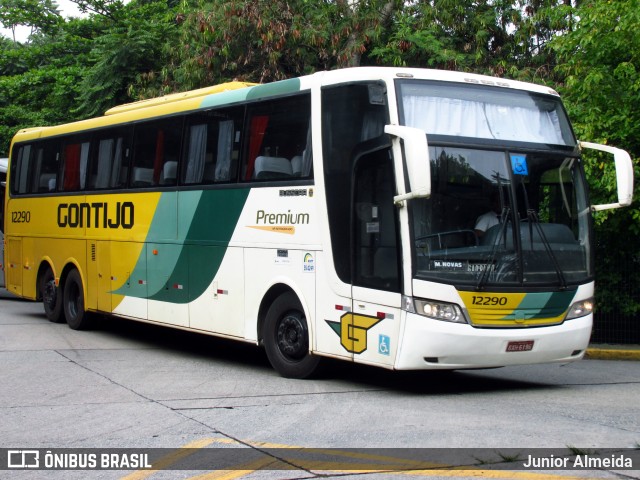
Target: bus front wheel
(286, 338)
(51, 297)
(73, 302)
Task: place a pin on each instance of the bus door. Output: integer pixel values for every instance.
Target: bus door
(376, 310)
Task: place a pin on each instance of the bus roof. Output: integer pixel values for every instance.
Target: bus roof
(233, 92)
(177, 97)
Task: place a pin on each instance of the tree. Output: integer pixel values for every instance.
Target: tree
(132, 46)
(600, 62)
(40, 15)
(39, 80)
(265, 40)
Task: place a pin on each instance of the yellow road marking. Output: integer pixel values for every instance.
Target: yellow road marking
(170, 459)
(243, 469)
(388, 464)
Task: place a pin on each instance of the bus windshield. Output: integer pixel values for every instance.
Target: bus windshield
(502, 211)
(482, 112)
(500, 217)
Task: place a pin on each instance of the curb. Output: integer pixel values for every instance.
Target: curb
(604, 353)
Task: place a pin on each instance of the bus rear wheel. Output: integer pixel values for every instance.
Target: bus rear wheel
(286, 338)
(73, 302)
(51, 297)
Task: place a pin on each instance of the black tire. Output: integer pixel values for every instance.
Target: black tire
(73, 302)
(51, 297)
(286, 338)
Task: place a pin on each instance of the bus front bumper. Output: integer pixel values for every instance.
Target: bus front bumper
(432, 344)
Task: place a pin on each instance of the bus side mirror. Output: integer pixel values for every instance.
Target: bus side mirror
(416, 152)
(624, 175)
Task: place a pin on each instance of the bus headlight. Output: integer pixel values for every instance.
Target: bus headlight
(447, 312)
(580, 309)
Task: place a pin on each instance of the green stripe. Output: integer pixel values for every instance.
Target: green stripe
(207, 222)
(282, 87)
(546, 304)
(225, 98)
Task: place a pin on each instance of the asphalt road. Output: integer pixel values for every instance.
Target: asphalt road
(133, 386)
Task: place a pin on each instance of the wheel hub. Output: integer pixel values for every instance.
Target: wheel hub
(291, 337)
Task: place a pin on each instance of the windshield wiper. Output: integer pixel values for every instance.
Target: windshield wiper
(533, 219)
(532, 216)
(505, 219)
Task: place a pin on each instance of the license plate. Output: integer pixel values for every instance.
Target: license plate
(525, 346)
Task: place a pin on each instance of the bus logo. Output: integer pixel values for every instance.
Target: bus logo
(352, 329)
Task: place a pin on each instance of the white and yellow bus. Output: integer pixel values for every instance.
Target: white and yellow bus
(332, 215)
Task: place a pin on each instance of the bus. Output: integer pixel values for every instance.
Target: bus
(330, 215)
(4, 163)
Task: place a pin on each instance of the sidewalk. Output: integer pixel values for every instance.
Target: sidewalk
(613, 352)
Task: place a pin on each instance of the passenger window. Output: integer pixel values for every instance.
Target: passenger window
(35, 168)
(279, 145)
(156, 149)
(75, 160)
(109, 160)
(20, 170)
(45, 166)
(212, 144)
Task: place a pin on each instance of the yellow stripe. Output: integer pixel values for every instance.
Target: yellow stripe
(244, 469)
(490, 320)
(167, 460)
(391, 465)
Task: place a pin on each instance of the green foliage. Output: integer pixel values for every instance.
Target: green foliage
(129, 48)
(265, 40)
(81, 67)
(39, 82)
(40, 15)
(599, 61)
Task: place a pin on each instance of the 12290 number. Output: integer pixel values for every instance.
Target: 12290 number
(21, 216)
(489, 301)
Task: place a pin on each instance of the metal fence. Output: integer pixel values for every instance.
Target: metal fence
(617, 287)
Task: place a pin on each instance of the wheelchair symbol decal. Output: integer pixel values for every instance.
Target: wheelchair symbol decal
(384, 344)
(519, 165)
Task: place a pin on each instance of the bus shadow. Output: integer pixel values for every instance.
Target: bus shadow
(431, 382)
(247, 355)
(185, 343)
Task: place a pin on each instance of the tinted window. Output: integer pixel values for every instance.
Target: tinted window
(279, 140)
(109, 160)
(75, 161)
(34, 168)
(156, 149)
(212, 145)
(353, 118)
